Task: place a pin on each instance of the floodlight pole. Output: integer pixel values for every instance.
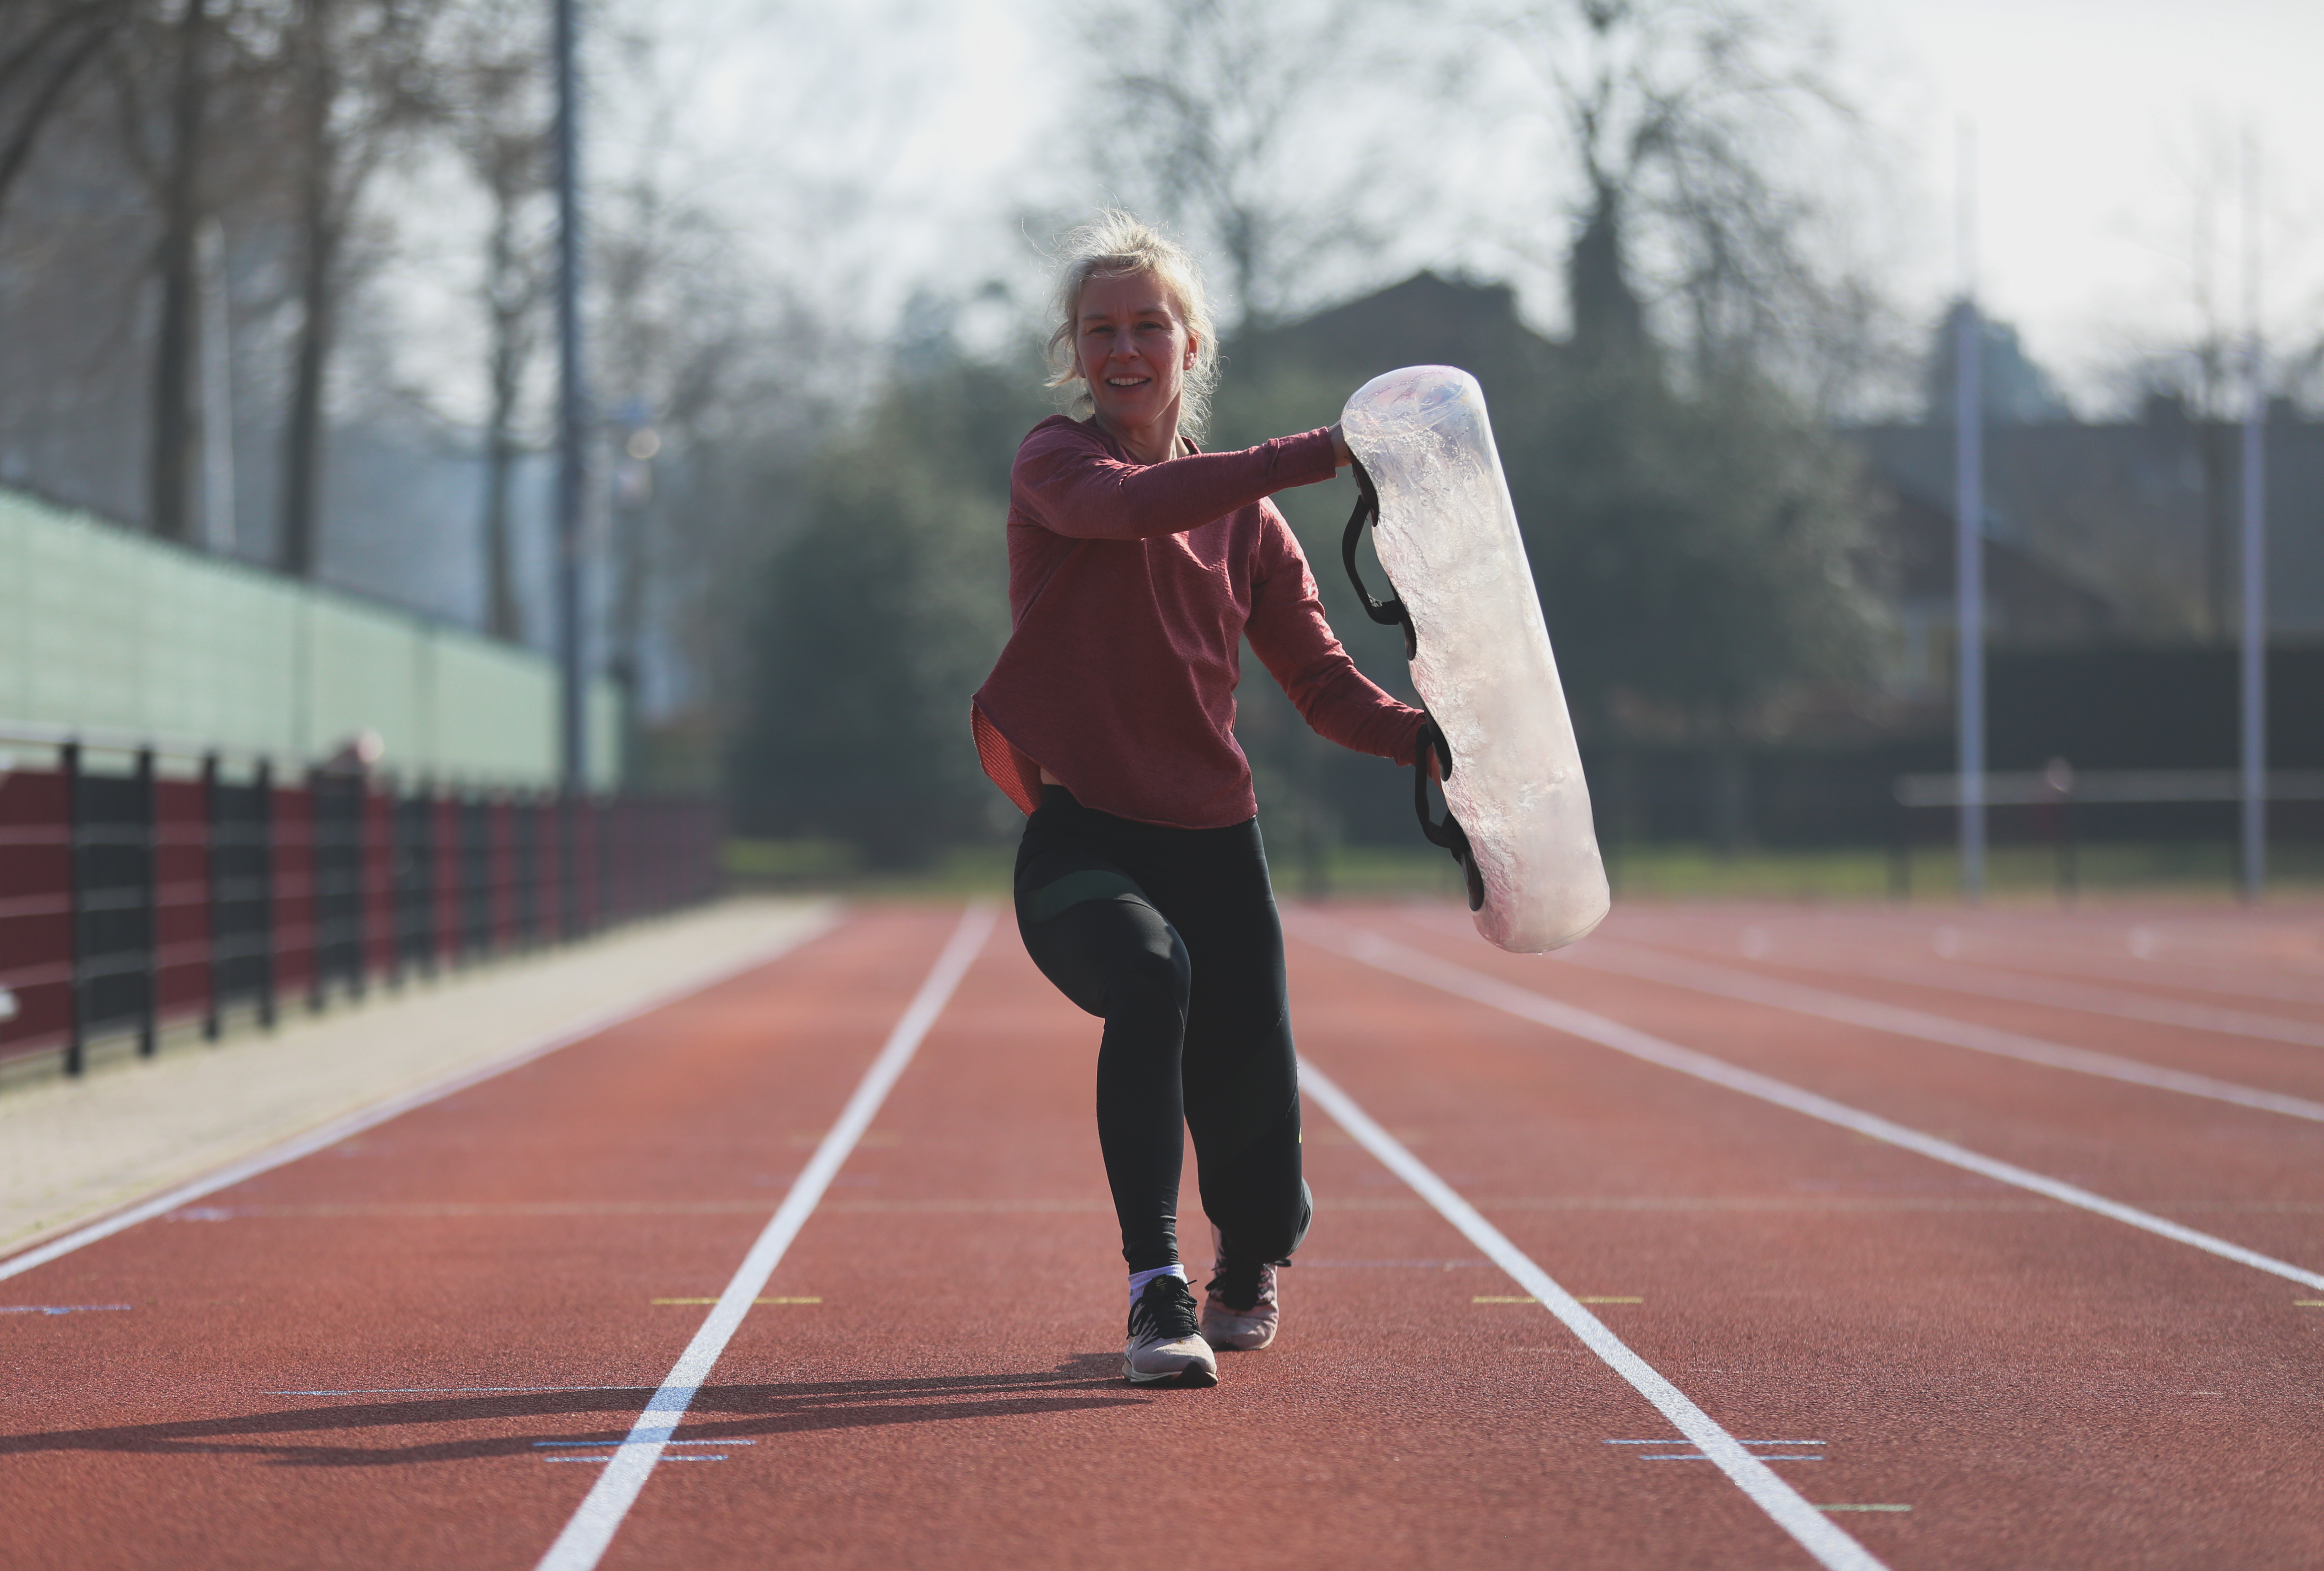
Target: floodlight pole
(217, 389)
(1969, 543)
(572, 418)
(2254, 631)
(572, 479)
(2254, 673)
(1968, 599)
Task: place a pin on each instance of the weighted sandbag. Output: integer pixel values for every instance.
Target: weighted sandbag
(1518, 809)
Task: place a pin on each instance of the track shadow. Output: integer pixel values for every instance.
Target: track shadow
(719, 1412)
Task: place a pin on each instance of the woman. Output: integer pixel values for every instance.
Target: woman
(1137, 566)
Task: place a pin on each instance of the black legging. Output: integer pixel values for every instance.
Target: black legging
(1171, 935)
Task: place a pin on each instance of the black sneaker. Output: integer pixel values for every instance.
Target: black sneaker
(1165, 1345)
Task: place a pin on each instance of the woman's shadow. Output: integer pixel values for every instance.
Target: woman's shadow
(599, 1416)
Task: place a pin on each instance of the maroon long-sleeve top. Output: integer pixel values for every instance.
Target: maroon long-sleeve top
(1130, 588)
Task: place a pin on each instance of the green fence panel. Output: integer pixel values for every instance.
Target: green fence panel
(105, 629)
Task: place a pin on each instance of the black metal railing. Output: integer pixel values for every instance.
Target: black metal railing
(132, 899)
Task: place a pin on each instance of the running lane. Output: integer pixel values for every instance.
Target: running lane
(365, 1358)
(2040, 1385)
(418, 1348)
(2255, 1178)
(1821, 950)
(2272, 961)
(952, 1393)
(934, 1378)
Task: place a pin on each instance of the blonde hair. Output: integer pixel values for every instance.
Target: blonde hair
(1118, 245)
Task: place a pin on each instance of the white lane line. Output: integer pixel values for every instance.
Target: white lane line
(2050, 993)
(1719, 981)
(1815, 1533)
(1400, 959)
(590, 1533)
(1989, 982)
(2089, 1000)
(578, 1029)
(1993, 945)
(2193, 977)
(598, 1444)
(2065, 995)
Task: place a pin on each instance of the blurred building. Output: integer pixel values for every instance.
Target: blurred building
(2119, 532)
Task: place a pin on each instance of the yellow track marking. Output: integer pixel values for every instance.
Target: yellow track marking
(753, 1301)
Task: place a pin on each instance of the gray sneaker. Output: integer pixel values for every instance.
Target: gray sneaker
(1239, 1304)
(1165, 1347)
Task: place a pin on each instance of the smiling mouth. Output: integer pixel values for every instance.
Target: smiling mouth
(1127, 381)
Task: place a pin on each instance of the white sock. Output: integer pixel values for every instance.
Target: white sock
(1139, 1278)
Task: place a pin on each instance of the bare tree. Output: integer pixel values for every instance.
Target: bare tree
(151, 116)
(711, 361)
(46, 48)
(48, 60)
(1688, 123)
(496, 104)
(359, 69)
(145, 57)
(169, 464)
(1214, 115)
(1701, 562)
(2200, 365)
(151, 71)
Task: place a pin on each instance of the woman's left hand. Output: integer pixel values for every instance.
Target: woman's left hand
(1341, 456)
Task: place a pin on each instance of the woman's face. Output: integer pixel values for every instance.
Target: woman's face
(1134, 350)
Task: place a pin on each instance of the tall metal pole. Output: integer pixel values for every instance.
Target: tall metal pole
(1968, 540)
(573, 419)
(2255, 552)
(217, 391)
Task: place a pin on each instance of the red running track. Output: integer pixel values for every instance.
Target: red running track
(416, 1348)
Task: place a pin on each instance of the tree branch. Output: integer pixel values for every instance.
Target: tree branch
(19, 151)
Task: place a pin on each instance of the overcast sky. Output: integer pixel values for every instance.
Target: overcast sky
(2098, 125)
(2101, 128)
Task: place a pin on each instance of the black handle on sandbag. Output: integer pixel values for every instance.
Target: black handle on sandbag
(1386, 611)
(1449, 833)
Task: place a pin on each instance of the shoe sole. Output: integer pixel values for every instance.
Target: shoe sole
(1240, 1341)
(1194, 1377)
(1237, 1345)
